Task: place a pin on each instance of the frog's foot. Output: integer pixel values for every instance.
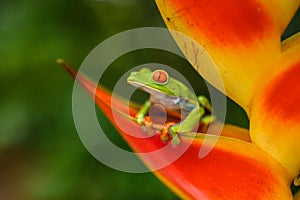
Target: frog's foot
(206, 121)
(168, 133)
(146, 125)
(146, 121)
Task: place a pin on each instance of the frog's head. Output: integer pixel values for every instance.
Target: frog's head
(157, 81)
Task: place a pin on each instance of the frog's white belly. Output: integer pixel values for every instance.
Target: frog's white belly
(169, 102)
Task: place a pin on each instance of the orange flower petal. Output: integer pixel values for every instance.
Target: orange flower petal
(242, 37)
(275, 113)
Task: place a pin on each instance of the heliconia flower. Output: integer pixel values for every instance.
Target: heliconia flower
(260, 72)
(234, 169)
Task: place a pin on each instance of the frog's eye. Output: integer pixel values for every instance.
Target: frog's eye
(160, 77)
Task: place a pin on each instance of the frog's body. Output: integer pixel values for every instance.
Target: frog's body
(171, 103)
(172, 95)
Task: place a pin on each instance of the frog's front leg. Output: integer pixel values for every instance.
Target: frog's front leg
(145, 121)
(140, 116)
(187, 124)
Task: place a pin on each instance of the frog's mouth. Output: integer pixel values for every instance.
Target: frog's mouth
(134, 83)
(152, 90)
(144, 87)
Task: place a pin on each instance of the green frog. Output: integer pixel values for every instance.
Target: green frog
(173, 95)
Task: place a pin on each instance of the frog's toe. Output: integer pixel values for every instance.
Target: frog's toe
(164, 137)
(168, 133)
(146, 121)
(165, 131)
(207, 119)
(146, 126)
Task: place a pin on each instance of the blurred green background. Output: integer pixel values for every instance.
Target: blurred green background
(41, 155)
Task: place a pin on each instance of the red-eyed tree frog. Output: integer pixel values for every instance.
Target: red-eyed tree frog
(172, 95)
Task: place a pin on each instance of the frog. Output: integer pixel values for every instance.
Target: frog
(174, 96)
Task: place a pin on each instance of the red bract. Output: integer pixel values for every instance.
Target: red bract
(234, 169)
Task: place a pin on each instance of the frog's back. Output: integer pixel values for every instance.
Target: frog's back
(181, 90)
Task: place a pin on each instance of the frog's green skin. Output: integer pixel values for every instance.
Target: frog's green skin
(173, 95)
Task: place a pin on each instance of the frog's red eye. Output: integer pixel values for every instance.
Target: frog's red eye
(160, 76)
